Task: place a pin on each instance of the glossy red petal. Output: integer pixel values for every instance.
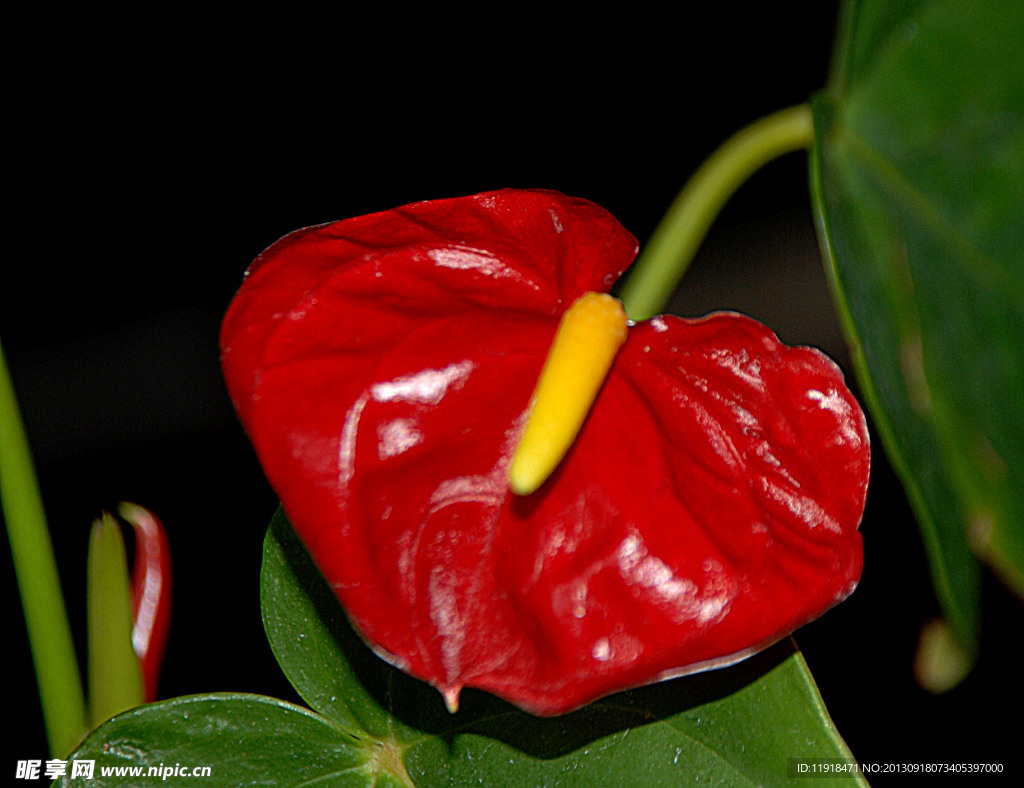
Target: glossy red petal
(382, 367)
(344, 288)
(709, 508)
(151, 593)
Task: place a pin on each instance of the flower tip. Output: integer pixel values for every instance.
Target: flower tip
(524, 478)
(451, 698)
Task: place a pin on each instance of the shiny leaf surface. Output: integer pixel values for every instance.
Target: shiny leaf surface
(919, 190)
(711, 727)
(241, 739)
(739, 726)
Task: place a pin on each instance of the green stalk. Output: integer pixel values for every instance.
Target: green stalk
(115, 676)
(49, 634)
(668, 253)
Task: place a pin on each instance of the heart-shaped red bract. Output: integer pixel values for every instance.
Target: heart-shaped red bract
(383, 367)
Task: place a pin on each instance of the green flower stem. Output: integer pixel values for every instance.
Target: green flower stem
(53, 652)
(668, 253)
(115, 675)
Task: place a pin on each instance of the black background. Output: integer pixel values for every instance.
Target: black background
(155, 157)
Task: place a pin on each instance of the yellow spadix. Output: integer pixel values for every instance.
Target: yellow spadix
(590, 334)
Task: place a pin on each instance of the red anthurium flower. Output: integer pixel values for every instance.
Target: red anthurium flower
(384, 367)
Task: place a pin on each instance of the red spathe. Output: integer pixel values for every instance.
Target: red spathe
(382, 367)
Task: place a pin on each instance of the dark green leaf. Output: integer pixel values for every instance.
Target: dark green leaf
(302, 619)
(918, 179)
(739, 726)
(243, 739)
(736, 726)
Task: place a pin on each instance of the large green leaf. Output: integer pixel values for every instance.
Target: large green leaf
(746, 725)
(918, 180)
(242, 739)
(737, 726)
